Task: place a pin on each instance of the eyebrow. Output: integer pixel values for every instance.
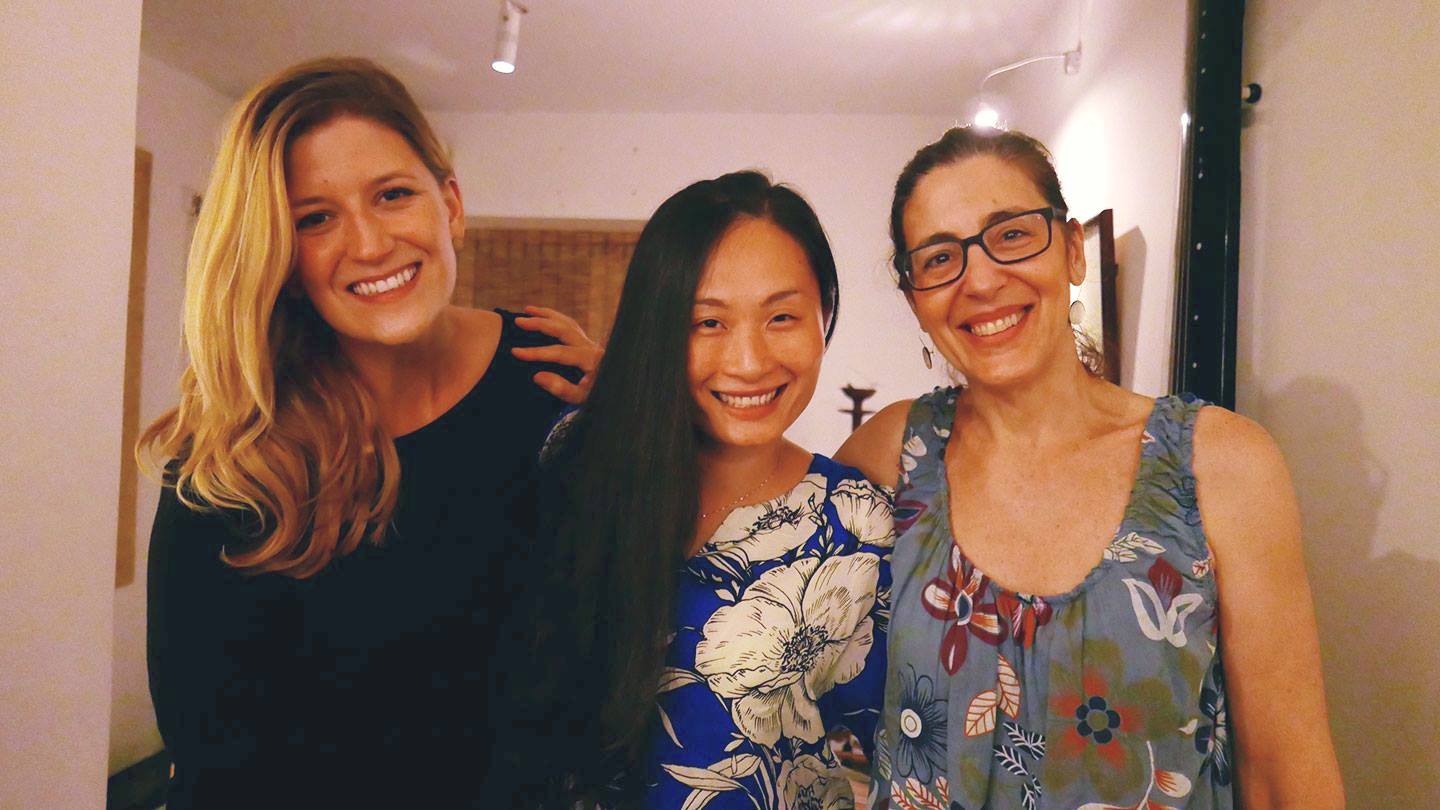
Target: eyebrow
(771, 299)
(378, 181)
(990, 219)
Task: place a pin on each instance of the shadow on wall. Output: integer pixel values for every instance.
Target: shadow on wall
(1379, 637)
(1130, 258)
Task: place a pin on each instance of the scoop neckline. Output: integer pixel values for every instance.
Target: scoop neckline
(501, 350)
(730, 516)
(1102, 566)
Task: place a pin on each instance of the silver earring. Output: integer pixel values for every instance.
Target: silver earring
(925, 354)
(1077, 312)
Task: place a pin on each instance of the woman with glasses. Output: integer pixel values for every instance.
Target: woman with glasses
(1099, 599)
(701, 555)
(351, 469)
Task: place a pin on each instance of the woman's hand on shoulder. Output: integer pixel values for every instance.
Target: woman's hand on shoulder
(575, 349)
(1269, 642)
(874, 447)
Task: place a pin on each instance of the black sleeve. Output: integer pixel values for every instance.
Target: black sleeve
(514, 336)
(210, 628)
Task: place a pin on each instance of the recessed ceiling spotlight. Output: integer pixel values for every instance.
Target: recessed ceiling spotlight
(507, 38)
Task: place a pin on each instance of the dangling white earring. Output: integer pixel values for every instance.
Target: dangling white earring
(1077, 312)
(925, 354)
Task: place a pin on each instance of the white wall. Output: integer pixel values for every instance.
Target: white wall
(624, 166)
(1339, 351)
(1114, 129)
(178, 120)
(68, 137)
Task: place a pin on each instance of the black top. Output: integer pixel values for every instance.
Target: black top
(366, 685)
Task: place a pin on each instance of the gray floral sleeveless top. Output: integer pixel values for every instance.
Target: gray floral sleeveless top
(1108, 696)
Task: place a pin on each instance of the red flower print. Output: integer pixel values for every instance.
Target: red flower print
(1023, 615)
(952, 598)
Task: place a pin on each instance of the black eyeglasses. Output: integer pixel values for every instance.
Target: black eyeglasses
(1008, 241)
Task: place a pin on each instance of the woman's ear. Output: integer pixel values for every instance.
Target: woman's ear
(1075, 248)
(454, 208)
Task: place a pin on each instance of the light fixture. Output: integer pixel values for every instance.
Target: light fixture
(986, 116)
(507, 38)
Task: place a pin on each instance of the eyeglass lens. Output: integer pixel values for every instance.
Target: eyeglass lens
(1007, 241)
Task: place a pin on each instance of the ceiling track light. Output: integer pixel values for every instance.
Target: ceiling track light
(986, 116)
(507, 38)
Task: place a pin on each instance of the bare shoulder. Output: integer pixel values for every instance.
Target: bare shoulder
(874, 448)
(1230, 447)
(1241, 480)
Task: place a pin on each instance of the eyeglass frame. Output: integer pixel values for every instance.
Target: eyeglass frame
(1050, 213)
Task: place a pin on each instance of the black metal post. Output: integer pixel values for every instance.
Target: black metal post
(1209, 245)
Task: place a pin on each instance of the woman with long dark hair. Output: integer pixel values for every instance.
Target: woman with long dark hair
(701, 553)
(1100, 598)
(348, 466)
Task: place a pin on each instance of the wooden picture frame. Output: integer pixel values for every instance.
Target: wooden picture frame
(1098, 292)
(134, 348)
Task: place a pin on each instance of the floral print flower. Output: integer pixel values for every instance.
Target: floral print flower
(1213, 740)
(1101, 719)
(919, 748)
(769, 530)
(952, 599)
(865, 511)
(1097, 720)
(797, 631)
(1024, 614)
(806, 783)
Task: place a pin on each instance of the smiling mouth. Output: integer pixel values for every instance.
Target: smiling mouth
(366, 289)
(995, 327)
(752, 401)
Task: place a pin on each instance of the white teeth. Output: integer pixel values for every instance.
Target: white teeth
(747, 402)
(385, 284)
(997, 326)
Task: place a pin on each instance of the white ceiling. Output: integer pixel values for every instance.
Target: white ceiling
(801, 56)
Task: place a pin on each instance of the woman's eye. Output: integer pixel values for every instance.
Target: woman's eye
(707, 323)
(784, 317)
(392, 194)
(311, 221)
(941, 258)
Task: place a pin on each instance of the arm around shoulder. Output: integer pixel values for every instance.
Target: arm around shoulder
(874, 448)
(1269, 642)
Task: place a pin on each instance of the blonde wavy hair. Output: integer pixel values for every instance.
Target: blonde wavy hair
(272, 420)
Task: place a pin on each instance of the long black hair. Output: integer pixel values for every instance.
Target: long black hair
(622, 493)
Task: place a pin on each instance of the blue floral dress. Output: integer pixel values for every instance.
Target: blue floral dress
(780, 639)
(1108, 696)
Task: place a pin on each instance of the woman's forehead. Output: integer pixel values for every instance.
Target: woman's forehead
(960, 197)
(345, 147)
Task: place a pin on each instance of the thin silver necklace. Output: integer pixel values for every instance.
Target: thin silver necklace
(736, 502)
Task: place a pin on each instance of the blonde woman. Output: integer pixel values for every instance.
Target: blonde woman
(350, 465)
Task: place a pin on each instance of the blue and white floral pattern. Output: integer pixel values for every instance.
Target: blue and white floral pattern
(780, 639)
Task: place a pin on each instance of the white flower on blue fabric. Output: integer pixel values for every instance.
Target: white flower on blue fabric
(806, 783)
(771, 529)
(865, 512)
(796, 633)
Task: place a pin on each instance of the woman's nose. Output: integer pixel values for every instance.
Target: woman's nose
(369, 239)
(983, 277)
(749, 353)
